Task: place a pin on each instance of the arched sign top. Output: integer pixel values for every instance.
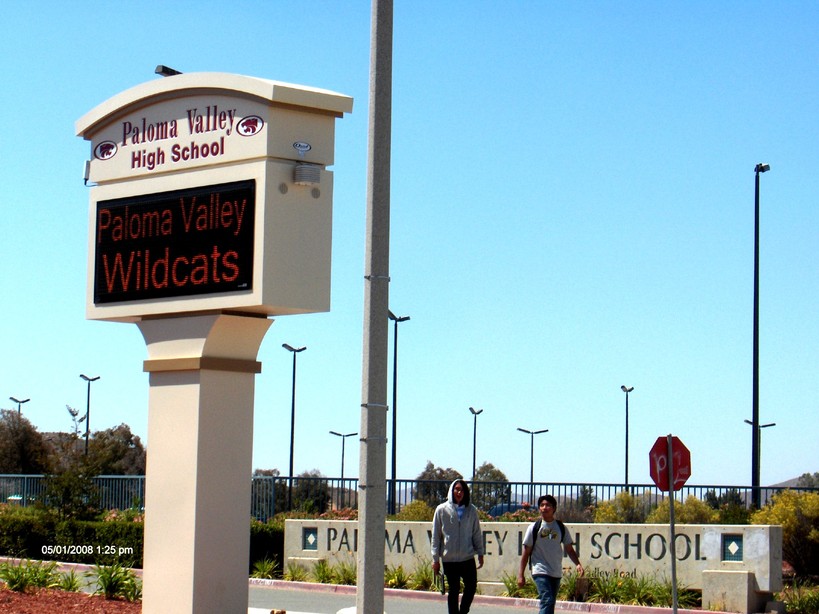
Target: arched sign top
(194, 84)
(210, 191)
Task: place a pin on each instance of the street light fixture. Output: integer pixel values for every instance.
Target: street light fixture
(759, 168)
(295, 351)
(475, 414)
(343, 439)
(626, 389)
(396, 320)
(88, 407)
(19, 403)
(532, 460)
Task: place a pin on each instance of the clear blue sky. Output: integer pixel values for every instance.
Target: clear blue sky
(572, 210)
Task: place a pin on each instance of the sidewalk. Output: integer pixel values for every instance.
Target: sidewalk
(312, 598)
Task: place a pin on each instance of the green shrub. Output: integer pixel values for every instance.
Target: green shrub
(422, 577)
(623, 588)
(511, 588)
(691, 511)
(396, 577)
(69, 582)
(266, 541)
(417, 511)
(24, 531)
(110, 543)
(798, 513)
(624, 508)
(800, 598)
(323, 572)
(265, 568)
(296, 573)
(115, 581)
(345, 572)
(27, 575)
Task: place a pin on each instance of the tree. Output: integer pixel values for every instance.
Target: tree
(432, 485)
(117, 451)
(798, 515)
(489, 487)
(23, 449)
(806, 480)
(311, 494)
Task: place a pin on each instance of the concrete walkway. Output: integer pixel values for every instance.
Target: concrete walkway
(312, 598)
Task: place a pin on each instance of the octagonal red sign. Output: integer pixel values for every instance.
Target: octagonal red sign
(659, 465)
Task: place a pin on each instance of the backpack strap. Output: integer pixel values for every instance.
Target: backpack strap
(562, 530)
(535, 531)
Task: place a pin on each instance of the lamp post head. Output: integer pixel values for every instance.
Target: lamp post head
(533, 433)
(166, 71)
(290, 348)
(395, 318)
(475, 412)
(626, 389)
(762, 168)
(89, 379)
(19, 401)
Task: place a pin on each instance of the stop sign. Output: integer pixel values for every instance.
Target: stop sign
(659, 465)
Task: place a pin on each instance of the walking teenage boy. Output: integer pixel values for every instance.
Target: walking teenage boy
(456, 540)
(542, 547)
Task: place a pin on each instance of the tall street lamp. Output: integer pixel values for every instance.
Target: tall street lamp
(626, 389)
(758, 436)
(295, 351)
(19, 403)
(396, 321)
(532, 461)
(759, 168)
(88, 380)
(343, 439)
(475, 414)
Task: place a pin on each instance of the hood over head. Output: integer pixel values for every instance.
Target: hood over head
(451, 495)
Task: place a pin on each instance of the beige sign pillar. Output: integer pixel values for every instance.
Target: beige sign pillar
(200, 434)
(210, 210)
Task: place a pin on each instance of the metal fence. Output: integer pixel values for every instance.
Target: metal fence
(270, 495)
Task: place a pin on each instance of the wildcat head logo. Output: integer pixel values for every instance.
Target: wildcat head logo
(105, 150)
(250, 125)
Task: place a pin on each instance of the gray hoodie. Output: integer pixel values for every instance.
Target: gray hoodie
(455, 539)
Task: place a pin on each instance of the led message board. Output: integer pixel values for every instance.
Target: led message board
(178, 243)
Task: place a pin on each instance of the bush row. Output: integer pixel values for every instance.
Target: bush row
(27, 533)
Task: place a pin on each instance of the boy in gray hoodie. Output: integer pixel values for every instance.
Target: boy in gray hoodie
(456, 539)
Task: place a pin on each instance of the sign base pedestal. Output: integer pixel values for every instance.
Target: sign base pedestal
(198, 479)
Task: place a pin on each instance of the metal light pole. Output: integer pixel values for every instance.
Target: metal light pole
(626, 389)
(532, 461)
(88, 407)
(396, 321)
(295, 351)
(475, 414)
(19, 403)
(758, 436)
(343, 439)
(759, 168)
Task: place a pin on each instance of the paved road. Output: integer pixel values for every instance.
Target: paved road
(296, 598)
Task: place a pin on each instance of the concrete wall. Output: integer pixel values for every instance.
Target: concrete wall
(603, 548)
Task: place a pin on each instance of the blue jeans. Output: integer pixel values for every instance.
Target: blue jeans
(547, 589)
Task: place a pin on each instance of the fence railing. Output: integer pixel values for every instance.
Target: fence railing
(270, 494)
